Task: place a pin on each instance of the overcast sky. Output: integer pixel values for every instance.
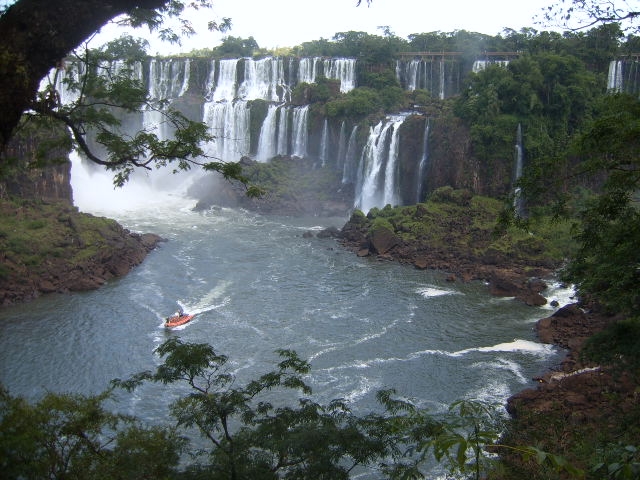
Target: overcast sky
(282, 23)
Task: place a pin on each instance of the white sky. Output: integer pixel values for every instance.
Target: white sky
(282, 23)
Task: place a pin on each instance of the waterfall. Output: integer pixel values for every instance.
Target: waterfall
(519, 154)
(348, 172)
(227, 80)
(211, 82)
(390, 185)
(424, 160)
(376, 185)
(308, 69)
(300, 133)
(343, 69)
(267, 143)
(229, 123)
(324, 143)
(480, 65)
(262, 80)
(614, 80)
(411, 74)
(168, 79)
(283, 132)
(342, 141)
(442, 79)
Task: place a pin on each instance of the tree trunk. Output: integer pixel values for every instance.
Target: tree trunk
(36, 35)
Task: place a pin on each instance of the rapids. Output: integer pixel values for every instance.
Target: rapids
(257, 285)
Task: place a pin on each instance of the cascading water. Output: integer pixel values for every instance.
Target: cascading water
(308, 69)
(519, 159)
(424, 160)
(263, 79)
(168, 79)
(350, 158)
(376, 179)
(300, 132)
(615, 78)
(225, 89)
(283, 131)
(268, 143)
(342, 69)
(480, 65)
(342, 145)
(324, 143)
(229, 124)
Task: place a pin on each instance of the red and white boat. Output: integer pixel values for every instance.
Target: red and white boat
(177, 320)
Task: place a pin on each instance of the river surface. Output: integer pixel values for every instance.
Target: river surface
(257, 285)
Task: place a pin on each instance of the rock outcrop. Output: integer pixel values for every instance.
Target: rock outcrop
(577, 390)
(455, 249)
(50, 247)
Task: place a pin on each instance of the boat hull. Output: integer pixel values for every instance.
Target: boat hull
(178, 320)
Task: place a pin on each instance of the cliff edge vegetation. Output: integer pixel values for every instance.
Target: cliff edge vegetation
(51, 247)
(459, 233)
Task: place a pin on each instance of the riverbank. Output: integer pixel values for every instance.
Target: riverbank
(50, 247)
(455, 232)
(586, 410)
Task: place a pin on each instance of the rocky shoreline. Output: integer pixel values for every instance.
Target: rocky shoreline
(579, 390)
(50, 247)
(505, 278)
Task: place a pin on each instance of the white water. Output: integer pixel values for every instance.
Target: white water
(615, 77)
(267, 144)
(376, 185)
(257, 284)
(300, 133)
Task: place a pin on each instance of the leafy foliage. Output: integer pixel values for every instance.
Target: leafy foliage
(75, 437)
(106, 90)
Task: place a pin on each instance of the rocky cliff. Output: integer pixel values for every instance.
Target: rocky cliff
(46, 245)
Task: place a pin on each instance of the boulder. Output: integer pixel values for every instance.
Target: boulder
(382, 240)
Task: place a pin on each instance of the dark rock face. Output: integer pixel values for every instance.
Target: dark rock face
(46, 200)
(579, 391)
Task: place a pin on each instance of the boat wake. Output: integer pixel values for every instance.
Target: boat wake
(213, 300)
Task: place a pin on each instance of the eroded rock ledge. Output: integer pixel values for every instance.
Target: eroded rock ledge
(578, 390)
(50, 247)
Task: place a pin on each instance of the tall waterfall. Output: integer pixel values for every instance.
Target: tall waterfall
(614, 80)
(424, 161)
(342, 145)
(168, 79)
(225, 89)
(519, 160)
(300, 134)
(264, 79)
(229, 123)
(283, 131)
(324, 143)
(377, 172)
(350, 158)
(343, 69)
(435, 75)
(268, 143)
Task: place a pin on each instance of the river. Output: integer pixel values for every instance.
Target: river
(257, 285)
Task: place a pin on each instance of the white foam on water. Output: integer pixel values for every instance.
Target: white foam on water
(503, 364)
(430, 291)
(94, 191)
(520, 346)
(560, 293)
